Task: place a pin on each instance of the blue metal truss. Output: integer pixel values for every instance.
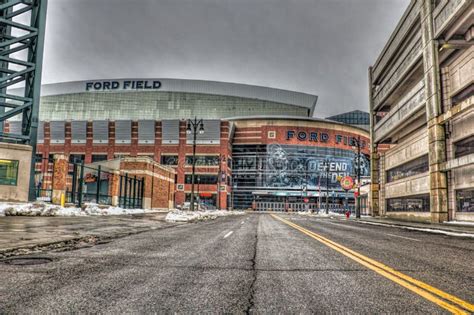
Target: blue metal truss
(22, 26)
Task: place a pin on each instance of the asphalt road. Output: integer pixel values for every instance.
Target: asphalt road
(244, 264)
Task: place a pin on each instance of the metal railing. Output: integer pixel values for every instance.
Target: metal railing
(91, 184)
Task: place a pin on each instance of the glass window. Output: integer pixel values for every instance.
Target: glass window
(288, 168)
(464, 147)
(201, 179)
(99, 157)
(169, 160)
(8, 172)
(201, 160)
(206, 200)
(414, 167)
(465, 200)
(409, 204)
(77, 158)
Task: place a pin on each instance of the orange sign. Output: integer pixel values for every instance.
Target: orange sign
(347, 183)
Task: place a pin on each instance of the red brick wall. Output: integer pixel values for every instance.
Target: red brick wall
(254, 134)
(251, 135)
(159, 181)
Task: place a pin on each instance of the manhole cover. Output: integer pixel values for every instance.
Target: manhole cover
(27, 261)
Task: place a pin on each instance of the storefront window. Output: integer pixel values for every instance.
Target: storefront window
(465, 200)
(415, 167)
(8, 172)
(204, 199)
(409, 204)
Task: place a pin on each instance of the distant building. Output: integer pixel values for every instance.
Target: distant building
(355, 118)
(422, 115)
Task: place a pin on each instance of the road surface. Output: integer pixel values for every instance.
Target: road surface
(253, 263)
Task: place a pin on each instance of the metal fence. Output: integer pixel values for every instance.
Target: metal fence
(44, 178)
(131, 192)
(89, 184)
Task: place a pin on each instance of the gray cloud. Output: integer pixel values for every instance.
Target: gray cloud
(322, 47)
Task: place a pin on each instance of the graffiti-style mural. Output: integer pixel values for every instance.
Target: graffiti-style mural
(283, 167)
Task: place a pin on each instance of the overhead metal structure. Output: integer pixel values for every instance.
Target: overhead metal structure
(22, 28)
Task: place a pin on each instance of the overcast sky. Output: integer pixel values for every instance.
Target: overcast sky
(321, 47)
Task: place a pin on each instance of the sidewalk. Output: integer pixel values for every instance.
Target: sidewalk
(454, 228)
(19, 234)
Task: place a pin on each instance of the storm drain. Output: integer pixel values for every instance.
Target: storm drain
(27, 261)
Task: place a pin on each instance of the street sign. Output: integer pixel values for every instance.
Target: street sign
(347, 183)
(356, 194)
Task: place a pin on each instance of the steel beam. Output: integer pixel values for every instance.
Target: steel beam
(22, 28)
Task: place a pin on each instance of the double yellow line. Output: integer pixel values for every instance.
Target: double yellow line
(445, 300)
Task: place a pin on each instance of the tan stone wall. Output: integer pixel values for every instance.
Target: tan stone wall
(424, 217)
(414, 185)
(463, 126)
(410, 149)
(464, 177)
(461, 71)
(21, 153)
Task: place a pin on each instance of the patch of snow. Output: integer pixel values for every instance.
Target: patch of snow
(322, 213)
(46, 209)
(191, 216)
(411, 228)
(470, 223)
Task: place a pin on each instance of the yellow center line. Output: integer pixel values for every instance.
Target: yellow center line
(425, 290)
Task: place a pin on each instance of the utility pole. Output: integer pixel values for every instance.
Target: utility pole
(194, 127)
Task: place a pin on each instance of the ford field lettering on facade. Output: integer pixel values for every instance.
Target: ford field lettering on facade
(123, 85)
(320, 137)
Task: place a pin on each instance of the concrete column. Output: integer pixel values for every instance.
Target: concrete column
(374, 158)
(436, 132)
(60, 171)
(381, 185)
(114, 187)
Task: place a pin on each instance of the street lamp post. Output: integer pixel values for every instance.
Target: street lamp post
(194, 127)
(326, 169)
(198, 192)
(222, 159)
(357, 145)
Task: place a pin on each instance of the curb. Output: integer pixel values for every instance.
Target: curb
(437, 230)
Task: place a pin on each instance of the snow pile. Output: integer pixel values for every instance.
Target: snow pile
(47, 209)
(321, 213)
(190, 216)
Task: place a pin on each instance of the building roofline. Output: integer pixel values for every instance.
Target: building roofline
(192, 86)
(280, 117)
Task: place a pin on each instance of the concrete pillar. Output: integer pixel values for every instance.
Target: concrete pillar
(374, 158)
(60, 172)
(436, 132)
(114, 187)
